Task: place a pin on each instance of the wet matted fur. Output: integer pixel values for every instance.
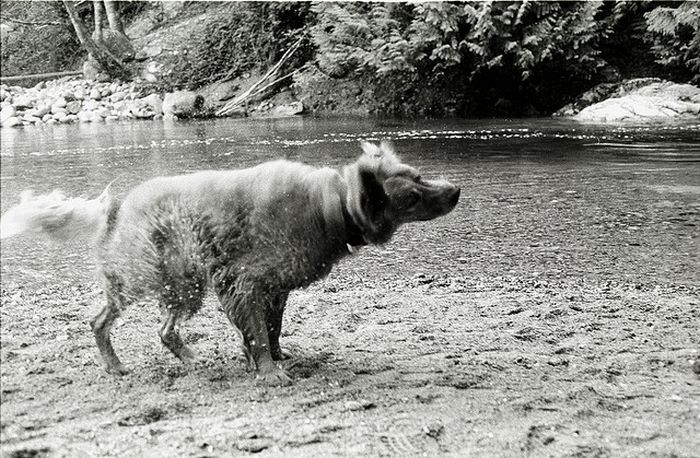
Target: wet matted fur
(253, 235)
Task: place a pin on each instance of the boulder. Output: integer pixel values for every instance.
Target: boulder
(59, 102)
(95, 94)
(103, 112)
(639, 100)
(42, 110)
(147, 107)
(289, 109)
(183, 104)
(60, 117)
(22, 102)
(117, 96)
(91, 105)
(87, 116)
(6, 113)
(90, 70)
(12, 121)
(56, 110)
(73, 107)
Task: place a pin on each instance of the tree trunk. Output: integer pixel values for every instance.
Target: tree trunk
(110, 64)
(98, 8)
(115, 22)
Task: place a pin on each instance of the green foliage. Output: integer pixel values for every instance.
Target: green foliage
(443, 44)
(675, 36)
(42, 41)
(239, 37)
(474, 58)
(527, 54)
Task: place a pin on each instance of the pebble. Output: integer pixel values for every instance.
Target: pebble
(696, 366)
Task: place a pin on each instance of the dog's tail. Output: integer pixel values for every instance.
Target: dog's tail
(59, 217)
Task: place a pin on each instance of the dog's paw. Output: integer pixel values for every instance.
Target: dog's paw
(189, 357)
(274, 377)
(116, 369)
(282, 355)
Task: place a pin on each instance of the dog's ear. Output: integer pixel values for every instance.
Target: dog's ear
(385, 151)
(367, 201)
(371, 150)
(388, 151)
(373, 199)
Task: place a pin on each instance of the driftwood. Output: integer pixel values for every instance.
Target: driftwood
(255, 88)
(37, 76)
(272, 83)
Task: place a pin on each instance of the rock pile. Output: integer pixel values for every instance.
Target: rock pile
(67, 101)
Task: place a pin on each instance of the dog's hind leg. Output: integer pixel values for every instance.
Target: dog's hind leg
(181, 297)
(101, 326)
(172, 340)
(274, 326)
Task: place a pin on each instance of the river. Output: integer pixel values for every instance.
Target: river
(542, 198)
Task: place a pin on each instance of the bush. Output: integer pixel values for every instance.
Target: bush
(675, 37)
(240, 36)
(419, 54)
(47, 45)
(500, 58)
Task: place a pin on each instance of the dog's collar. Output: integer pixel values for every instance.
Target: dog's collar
(353, 233)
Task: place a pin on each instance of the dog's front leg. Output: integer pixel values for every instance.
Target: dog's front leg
(247, 308)
(274, 326)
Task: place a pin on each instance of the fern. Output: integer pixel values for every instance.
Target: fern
(675, 36)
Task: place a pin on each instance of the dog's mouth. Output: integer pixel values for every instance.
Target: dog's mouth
(437, 199)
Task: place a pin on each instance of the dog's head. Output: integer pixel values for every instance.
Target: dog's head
(383, 193)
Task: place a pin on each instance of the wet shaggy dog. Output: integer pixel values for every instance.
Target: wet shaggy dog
(253, 235)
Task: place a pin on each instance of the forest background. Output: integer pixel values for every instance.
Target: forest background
(470, 59)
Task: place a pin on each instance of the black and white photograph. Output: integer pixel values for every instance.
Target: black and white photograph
(349, 228)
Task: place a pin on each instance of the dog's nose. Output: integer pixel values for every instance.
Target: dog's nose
(455, 196)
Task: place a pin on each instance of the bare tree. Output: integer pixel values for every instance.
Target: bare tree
(113, 18)
(98, 11)
(110, 63)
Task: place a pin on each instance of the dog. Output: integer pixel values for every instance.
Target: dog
(253, 235)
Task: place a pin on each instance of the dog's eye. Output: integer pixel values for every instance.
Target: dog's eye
(412, 199)
(418, 179)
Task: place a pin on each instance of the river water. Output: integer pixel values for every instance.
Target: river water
(541, 199)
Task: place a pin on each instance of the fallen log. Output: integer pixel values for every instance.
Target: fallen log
(37, 77)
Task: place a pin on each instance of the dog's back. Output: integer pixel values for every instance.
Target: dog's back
(275, 214)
